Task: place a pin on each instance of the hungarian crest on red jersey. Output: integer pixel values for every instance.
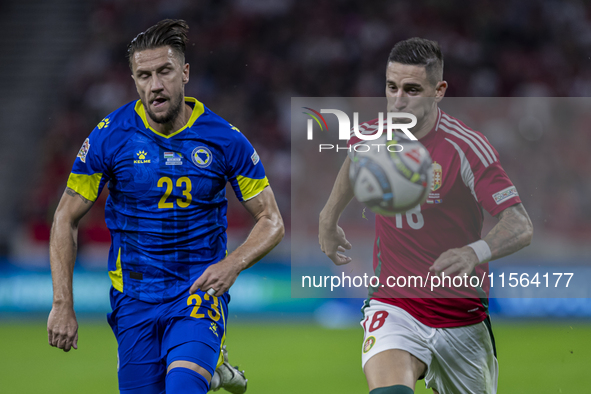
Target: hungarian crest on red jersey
(437, 176)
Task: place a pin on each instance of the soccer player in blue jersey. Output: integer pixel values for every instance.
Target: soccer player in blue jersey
(166, 159)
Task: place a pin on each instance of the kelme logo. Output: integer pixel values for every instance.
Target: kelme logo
(141, 157)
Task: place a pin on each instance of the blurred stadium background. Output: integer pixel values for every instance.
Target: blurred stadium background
(63, 68)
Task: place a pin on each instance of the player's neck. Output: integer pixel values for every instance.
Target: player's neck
(425, 128)
(179, 122)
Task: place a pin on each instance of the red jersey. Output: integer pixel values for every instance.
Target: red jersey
(467, 176)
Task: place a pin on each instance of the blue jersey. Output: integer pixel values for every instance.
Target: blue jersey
(167, 205)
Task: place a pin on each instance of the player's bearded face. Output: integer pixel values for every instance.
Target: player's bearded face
(160, 78)
(174, 108)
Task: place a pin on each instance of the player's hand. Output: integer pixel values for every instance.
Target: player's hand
(460, 261)
(62, 328)
(219, 276)
(333, 243)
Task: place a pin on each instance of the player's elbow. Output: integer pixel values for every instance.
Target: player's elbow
(273, 226)
(528, 232)
(275, 222)
(524, 225)
(279, 228)
(64, 218)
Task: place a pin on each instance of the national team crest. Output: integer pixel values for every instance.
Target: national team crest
(202, 157)
(369, 342)
(84, 150)
(437, 176)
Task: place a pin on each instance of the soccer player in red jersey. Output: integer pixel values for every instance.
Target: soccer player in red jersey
(445, 340)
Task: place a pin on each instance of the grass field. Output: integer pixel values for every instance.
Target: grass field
(539, 357)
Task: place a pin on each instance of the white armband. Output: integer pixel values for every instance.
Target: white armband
(482, 250)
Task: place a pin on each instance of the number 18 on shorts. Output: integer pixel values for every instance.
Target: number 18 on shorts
(458, 359)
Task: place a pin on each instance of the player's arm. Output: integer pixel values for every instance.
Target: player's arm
(62, 327)
(513, 232)
(330, 235)
(265, 235)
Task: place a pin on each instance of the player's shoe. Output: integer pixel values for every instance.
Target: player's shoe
(231, 378)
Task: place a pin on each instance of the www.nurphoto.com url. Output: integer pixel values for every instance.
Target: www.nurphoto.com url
(433, 282)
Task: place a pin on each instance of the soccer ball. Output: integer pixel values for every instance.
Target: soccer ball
(390, 177)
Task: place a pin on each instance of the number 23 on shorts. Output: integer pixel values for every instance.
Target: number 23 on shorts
(213, 313)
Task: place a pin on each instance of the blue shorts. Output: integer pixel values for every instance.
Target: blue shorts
(151, 336)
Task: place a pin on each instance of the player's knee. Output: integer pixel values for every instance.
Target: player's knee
(190, 366)
(397, 389)
(180, 379)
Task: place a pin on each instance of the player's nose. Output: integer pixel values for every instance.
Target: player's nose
(399, 101)
(156, 85)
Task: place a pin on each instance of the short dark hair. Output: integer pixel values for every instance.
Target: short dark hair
(421, 52)
(168, 32)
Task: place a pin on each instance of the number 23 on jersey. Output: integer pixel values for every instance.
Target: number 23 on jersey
(167, 185)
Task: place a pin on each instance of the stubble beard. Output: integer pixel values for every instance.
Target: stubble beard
(172, 113)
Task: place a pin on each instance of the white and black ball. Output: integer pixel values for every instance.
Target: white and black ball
(390, 177)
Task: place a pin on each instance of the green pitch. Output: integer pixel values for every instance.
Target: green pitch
(537, 357)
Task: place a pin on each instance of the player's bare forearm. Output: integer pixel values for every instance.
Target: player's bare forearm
(62, 326)
(265, 235)
(62, 255)
(339, 198)
(331, 237)
(267, 232)
(513, 232)
(63, 243)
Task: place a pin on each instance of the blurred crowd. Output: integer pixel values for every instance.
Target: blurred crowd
(249, 57)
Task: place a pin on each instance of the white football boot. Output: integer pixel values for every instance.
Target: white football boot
(228, 377)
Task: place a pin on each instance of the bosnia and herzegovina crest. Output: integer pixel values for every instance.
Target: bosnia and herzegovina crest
(437, 176)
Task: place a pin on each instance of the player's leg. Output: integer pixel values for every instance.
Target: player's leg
(464, 360)
(190, 366)
(139, 366)
(393, 371)
(192, 341)
(225, 376)
(395, 349)
(186, 380)
(186, 376)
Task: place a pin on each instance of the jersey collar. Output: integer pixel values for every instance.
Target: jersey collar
(198, 110)
(431, 134)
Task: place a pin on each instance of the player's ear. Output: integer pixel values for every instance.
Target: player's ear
(186, 73)
(440, 89)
